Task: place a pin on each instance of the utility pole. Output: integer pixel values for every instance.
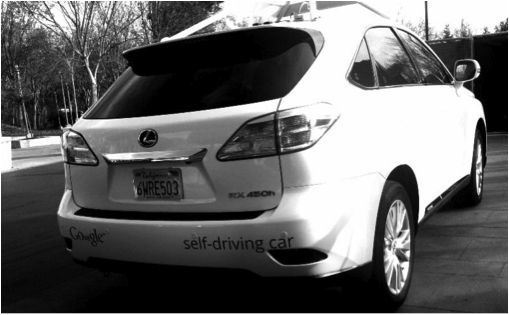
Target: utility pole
(25, 116)
(426, 19)
(63, 95)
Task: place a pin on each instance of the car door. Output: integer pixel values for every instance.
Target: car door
(445, 105)
(409, 112)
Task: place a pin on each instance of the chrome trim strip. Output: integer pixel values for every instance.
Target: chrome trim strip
(187, 156)
(441, 200)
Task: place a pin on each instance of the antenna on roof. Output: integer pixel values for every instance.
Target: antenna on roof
(313, 12)
(199, 26)
(374, 10)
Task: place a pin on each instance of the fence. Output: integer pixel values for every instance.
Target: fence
(491, 86)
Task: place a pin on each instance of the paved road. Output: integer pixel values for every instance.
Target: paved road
(461, 261)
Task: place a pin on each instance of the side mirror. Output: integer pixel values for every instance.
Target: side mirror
(466, 70)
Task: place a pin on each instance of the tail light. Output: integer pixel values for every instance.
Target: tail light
(301, 128)
(284, 132)
(254, 139)
(76, 151)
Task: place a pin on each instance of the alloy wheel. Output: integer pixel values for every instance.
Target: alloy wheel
(397, 239)
(479, 169)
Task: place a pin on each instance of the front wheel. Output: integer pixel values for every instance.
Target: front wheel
(393, 253)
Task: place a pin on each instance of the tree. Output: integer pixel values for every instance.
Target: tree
(501, 27)
(485, 31)
(231, 22)
(446, 33)
(30, 47)
(167, 18)
(84, 42)
(419, 28)
(93, 29)
(16, 26)
(464, 30)
(38, 71)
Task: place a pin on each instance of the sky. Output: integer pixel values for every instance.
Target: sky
(477, 14)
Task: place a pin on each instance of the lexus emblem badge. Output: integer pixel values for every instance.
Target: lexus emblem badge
(147, 138)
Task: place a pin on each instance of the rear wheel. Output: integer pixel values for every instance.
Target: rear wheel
(393, 252)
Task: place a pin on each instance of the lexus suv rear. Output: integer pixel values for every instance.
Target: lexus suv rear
(302, 149)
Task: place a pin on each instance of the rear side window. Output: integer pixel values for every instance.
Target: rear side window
(431, 69)
(362, 69)
(209, 72)
(393, 65)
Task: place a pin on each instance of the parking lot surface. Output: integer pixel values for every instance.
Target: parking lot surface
(461, 253)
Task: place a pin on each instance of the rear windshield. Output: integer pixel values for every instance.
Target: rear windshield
(209, 72)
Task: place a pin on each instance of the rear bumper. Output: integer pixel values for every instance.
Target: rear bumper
(145, 272)
(335, 222)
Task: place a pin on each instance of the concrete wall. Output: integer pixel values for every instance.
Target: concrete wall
(5, 154)
(28, 143)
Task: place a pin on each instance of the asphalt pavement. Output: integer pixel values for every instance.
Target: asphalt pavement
(460, 265)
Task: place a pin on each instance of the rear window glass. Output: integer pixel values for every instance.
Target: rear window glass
(209, 72)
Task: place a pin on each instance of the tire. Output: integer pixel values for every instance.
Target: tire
(394, 247)
(471, 195)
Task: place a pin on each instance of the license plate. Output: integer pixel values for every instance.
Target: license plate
(158, 183)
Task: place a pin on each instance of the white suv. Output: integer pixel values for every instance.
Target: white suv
(287, 150)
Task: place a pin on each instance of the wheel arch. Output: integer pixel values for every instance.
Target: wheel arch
(405, 176)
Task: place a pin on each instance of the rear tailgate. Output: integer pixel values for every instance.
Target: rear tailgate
(208, 185)
(195, 93)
